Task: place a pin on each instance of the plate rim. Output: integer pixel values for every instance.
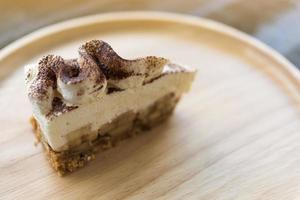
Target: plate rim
(46, 31)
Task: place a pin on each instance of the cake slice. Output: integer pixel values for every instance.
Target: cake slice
(85, 105)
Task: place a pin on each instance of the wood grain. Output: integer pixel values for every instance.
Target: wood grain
(234, 136)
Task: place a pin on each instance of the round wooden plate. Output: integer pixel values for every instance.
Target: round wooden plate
(234, 136)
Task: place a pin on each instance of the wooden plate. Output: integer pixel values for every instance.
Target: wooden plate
(234, 136)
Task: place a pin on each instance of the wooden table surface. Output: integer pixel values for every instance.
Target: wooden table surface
(275, 22)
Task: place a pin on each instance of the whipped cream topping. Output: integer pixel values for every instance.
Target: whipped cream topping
(97, 69)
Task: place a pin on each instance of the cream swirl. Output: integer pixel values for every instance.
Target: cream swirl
(86, 79)
(40, 82)
(122, 73)
(81, 81)
(77, 81)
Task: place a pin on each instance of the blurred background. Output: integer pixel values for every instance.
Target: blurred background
(275, 22)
